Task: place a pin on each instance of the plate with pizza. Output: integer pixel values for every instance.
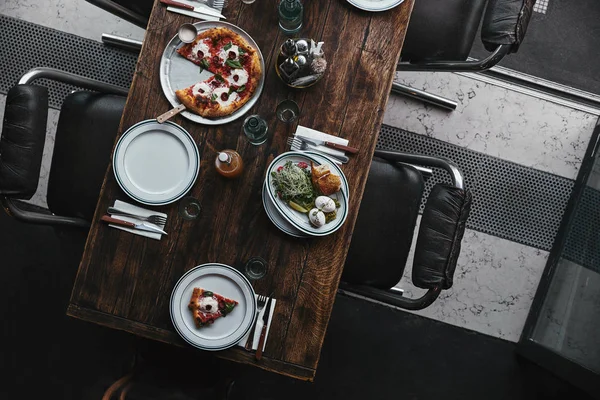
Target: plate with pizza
(213, 306)
(218, 77)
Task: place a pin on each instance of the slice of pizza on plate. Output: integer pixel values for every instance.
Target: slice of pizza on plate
(236, 66)
(207, 306)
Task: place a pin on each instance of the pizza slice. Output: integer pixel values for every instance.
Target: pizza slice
(207, 306)
(213, 97)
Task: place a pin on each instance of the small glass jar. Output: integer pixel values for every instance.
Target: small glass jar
(255, 129)
(229, 163)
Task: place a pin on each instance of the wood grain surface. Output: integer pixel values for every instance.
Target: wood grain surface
(125, 281)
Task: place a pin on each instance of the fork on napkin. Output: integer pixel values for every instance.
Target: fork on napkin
(142, 212)
(258, 327)
(302, 131)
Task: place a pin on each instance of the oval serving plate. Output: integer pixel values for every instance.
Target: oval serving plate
(176, 73)
(226, 331)
(297, 219)
(154, 163)
(281, 223)
(375, 5)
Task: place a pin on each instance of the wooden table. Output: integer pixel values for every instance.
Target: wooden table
(125, 281)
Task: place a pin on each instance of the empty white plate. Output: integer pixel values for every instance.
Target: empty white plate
(156, 164)
(375, 5)
(226, 331)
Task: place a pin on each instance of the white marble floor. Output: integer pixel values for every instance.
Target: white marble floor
(495, 278)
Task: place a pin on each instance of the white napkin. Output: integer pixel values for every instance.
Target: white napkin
(314, 134)
(259, 326)
(194, 14)
(142, 212)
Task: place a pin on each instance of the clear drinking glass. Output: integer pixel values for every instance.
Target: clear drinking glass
(255, 129)
(287, 111)
(189, 208)
(255, 268)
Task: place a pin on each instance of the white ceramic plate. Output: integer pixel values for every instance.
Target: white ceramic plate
(375, 5)
(176, 73)
(156, 164)
(226, 331)
(297, 219)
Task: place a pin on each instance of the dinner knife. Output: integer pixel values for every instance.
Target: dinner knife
(202, 9)
(143, 226)
(263, 332)
(317, 142)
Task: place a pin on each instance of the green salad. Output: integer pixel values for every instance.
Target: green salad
(293, 184)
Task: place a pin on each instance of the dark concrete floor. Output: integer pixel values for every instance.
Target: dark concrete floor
(370, 351)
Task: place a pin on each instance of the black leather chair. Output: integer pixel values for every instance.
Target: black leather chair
(441, 33)
(135, 11)
(384, 230)
(86, 131)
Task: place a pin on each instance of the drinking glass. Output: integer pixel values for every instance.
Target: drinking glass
(189, 208)
(287, 111)
(255, 268)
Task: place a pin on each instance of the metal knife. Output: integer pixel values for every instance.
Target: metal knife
(263, 332)
(202, 9)
(143, 226)
(335, 157)
(319, 142)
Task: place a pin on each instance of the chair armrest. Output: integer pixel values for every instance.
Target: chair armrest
(22, 141)
(440, 234)
(37, 215)
(440, 162)
(122, 12)
(72, 79)
(505, 23)
(498, 53)
(393, 297)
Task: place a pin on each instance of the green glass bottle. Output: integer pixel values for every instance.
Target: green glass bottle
(290, 16)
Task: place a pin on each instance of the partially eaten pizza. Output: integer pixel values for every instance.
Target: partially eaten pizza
(236, 67)
(207, 306)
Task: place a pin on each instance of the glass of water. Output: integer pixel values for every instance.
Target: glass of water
(287, 111)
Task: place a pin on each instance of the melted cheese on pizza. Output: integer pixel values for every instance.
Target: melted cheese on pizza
(230, 98)
(238, 77)
(200, 46)
(208, 305)
(202, 89)
(224, 54)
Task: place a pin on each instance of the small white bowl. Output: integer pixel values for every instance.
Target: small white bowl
(187, 33)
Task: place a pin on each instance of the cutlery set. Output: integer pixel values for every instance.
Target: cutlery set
(304, 143)
(207, 7)
(148, 223)
(261, 324)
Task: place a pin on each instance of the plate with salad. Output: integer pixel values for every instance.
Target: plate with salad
(312, 195)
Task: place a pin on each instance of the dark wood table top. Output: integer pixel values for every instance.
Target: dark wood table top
(125, 281)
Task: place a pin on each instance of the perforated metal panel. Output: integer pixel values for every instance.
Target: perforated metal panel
(511, 201)
(24, 46)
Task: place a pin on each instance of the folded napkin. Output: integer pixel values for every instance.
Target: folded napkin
(258, 328)
(142, 212)
(194, 14)
(314, 134)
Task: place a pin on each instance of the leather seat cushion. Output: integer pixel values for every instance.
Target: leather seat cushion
(442, 30)
(86, 133)
(384, 230)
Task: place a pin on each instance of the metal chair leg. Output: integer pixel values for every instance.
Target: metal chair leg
(135, 46)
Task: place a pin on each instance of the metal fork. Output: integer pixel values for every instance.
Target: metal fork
(261, 302)
(294, 141)
(153, 219)
(216, 4)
